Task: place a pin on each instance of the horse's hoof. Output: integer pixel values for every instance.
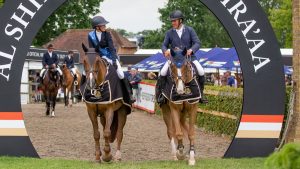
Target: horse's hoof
(107, 158)
(180, 155)
(192, 162)
(118, 157)
(98, 159)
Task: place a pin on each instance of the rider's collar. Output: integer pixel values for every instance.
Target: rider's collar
(180, 29)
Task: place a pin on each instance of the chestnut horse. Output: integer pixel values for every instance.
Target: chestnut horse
(50, 86)
(175, 115)
(69, 85)
(113, 115)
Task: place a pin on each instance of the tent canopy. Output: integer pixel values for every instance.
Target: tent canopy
(157, 61)
(215, 58)
(224, 60)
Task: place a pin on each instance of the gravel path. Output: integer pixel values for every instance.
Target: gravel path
(69, 135)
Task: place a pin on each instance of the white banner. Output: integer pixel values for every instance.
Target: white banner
(145, 97)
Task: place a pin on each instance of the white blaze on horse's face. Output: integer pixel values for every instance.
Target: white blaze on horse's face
(91, 79)
(180, 84)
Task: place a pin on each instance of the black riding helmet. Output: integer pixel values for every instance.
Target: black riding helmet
(98, 21)
(177, 14)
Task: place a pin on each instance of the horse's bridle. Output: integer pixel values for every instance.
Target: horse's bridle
(95, 88)
(187, 60)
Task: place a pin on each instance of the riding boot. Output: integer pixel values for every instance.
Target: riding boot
(115, 65)
(75, 77)
(161, 82)
(128, 89)
(77, 92)
(201, 81)
(83, 79)
(61, 80)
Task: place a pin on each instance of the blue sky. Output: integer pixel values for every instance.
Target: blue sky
(132, 15)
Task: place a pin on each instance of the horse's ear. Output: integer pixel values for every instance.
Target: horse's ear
(184, 52)
(173, 53)
(85, 49)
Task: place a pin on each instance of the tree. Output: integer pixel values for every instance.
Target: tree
(281, 20)
(268, 5)
(1, 2)
(206, 25)
(152, 39)
(73, 14)
(280, 15)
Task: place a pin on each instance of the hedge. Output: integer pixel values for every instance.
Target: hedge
(287, 157)
(227, 100)
(227, 103)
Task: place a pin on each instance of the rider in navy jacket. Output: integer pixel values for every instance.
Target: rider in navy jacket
(69, 60)
(181, 37)
(101, 40)
(50, 60)
(188, 40)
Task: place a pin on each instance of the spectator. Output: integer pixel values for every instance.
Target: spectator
(127, 73)
(224, 79)
(152, 76)
(134, 79)
(215, 79)
(38, 90)
(230, 79)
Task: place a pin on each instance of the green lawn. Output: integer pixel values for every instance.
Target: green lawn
(27, 163)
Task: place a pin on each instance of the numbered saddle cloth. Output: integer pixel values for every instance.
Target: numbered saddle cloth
(191, 95)
(109, 91)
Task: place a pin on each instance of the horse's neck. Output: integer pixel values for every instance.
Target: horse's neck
(102, 72)
(67, 73)
(49, 79)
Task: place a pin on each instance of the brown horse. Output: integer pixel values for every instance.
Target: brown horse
(50, 89)
(112, 115)
(70, 86)
(175, 115)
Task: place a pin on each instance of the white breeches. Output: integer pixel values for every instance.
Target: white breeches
(119, 69)
(73, 70)
(58, 69)
(200, 70)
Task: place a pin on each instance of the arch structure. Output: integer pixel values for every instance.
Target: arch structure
(250, 31)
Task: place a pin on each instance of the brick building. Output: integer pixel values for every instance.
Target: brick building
(73, 38)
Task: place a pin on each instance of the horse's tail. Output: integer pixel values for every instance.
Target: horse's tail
(114, 127)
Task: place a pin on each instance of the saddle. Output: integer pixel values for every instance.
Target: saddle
(53, 71)
(109, 91)
(168, 91)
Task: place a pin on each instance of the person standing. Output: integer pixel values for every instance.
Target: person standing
(230, 79)
(182, 37)
(135, 78)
